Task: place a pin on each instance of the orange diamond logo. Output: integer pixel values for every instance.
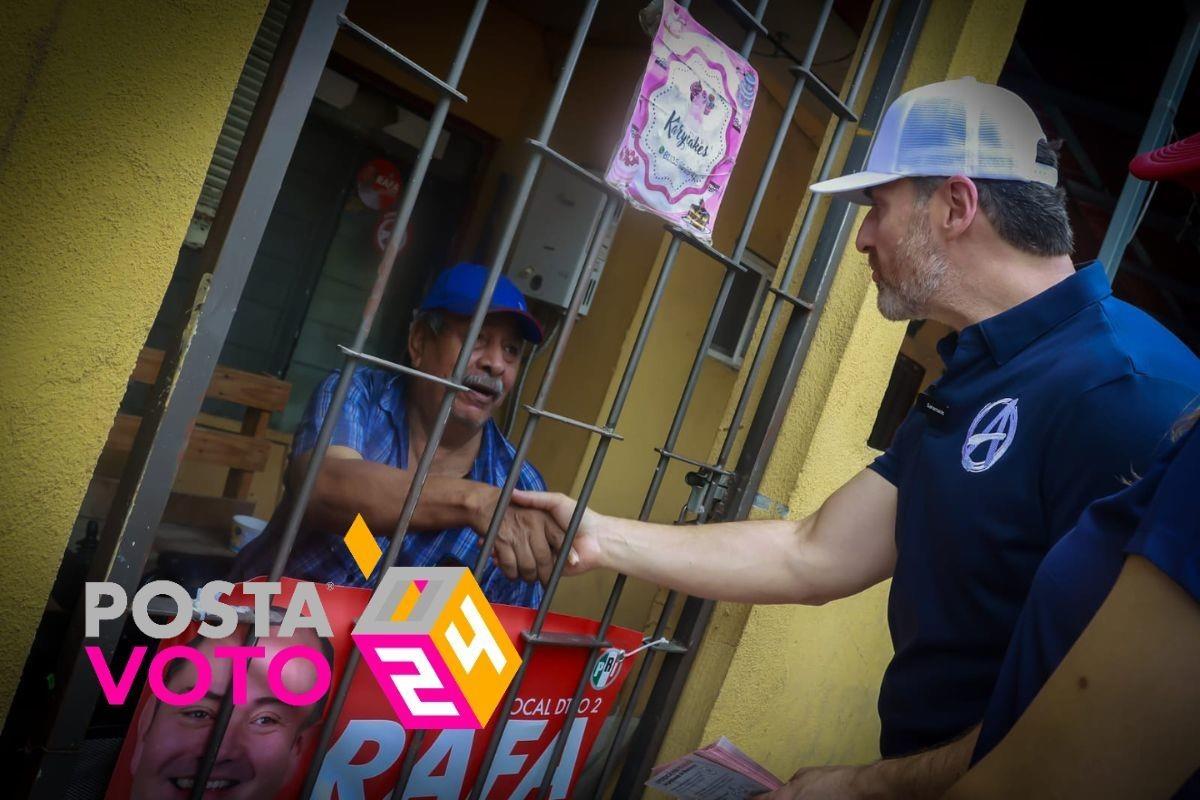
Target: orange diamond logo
(362, 546)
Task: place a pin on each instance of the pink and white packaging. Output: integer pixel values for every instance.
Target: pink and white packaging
(687, 125)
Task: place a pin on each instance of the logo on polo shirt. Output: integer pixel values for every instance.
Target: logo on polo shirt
(990, 435)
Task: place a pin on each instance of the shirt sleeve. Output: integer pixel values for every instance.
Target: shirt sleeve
(350, 430)
(887, 464)
(1169, 534)
(1105, 439)
(531, 480)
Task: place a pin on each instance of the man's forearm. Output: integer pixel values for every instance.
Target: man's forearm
(928, 774)
(747, 562)
(347, 487)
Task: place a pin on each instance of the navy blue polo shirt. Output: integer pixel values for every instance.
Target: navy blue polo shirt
(1157, 518)
(1051, 405)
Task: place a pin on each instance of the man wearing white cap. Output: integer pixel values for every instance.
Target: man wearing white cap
(1054, 393)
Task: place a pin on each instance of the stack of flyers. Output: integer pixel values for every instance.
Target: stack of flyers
(717, 772)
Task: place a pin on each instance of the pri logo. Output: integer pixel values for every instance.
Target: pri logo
(433, 643)
(608, 666)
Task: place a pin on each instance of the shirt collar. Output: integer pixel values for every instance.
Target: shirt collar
(1011, 331)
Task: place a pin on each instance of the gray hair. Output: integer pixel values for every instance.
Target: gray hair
(430, 318)
(1030, 216)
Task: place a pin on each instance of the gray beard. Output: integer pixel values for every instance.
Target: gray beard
(924, 271)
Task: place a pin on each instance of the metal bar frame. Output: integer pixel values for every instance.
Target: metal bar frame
(392, 366)
(570, 166)
(413, 67)
(696, 612)
(803, 74)
(514, 217)
(825, 93)
(179, 391)
(667, 454)
(791, 299)
(716, 255)
(328, 16)
(607, 433)
(797, 334)
(383, 273)
(736, 257)
(742, 15)
(732, 265)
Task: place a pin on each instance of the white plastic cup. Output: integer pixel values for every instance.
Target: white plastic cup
(245, 530)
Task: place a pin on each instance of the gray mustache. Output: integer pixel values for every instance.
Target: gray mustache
(484, 383)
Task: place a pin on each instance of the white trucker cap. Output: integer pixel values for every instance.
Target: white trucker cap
(960, 127)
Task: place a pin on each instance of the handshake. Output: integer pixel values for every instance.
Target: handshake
(532, 533)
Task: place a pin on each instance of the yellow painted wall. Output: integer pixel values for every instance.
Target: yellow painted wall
(108, 117)
(818, 669)
(795, 685)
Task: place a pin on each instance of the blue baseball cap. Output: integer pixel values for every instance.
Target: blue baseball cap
(459, 288)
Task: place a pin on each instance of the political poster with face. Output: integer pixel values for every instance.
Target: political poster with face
(273, 733)
(687, 125)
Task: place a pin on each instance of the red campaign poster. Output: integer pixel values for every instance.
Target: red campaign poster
(269, 745)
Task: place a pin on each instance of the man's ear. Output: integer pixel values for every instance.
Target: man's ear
(418, 337)
(960, 197)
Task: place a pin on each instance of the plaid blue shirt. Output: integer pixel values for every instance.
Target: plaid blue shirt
(373, 422)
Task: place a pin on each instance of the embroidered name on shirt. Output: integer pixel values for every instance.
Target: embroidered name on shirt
(935, 410)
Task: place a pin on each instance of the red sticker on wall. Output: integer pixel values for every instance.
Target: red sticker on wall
(379, 184)
(383, 232)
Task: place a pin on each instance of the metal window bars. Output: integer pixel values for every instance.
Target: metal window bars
(260, 168)
(738, 499)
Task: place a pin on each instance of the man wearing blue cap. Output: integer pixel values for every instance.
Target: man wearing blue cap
(384, 427)
(1054, 393)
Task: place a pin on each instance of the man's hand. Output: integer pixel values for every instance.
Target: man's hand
(927, 774)
(824, 783)
(585, 551)
(527, 541)
(526, 544)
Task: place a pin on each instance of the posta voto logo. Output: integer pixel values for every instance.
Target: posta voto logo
(428, 634)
